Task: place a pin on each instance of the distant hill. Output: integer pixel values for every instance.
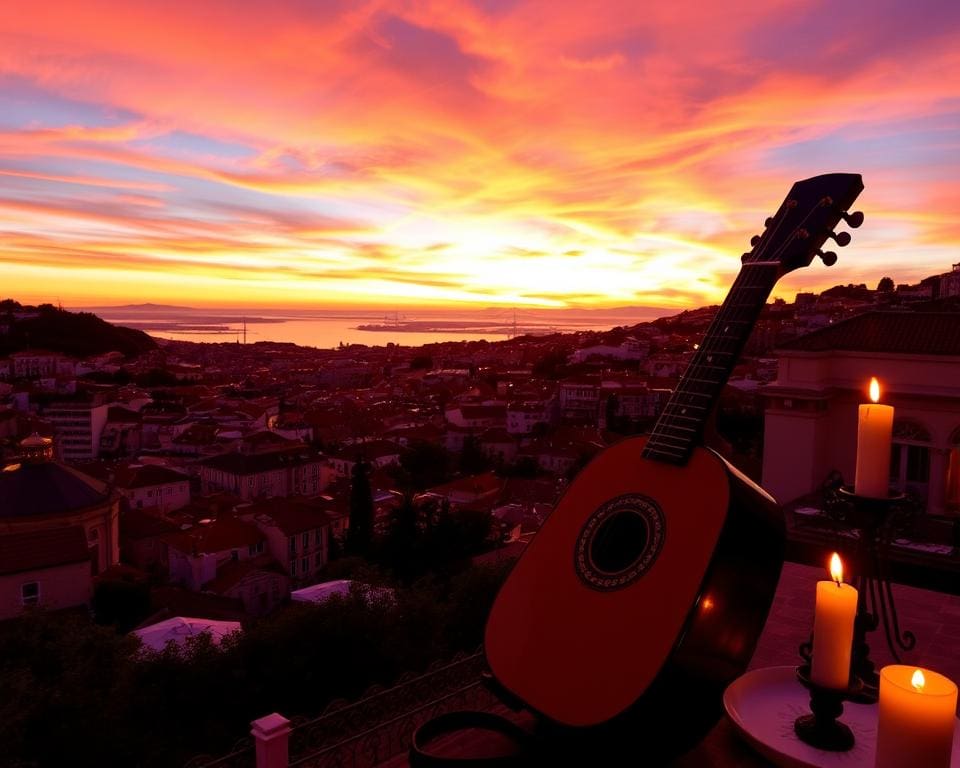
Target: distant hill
(148, 307)
(79, 334)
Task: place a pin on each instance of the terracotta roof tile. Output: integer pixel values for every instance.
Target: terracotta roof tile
(917, 333)
(42, 549)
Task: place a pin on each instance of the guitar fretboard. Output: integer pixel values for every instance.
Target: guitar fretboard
(681, 424)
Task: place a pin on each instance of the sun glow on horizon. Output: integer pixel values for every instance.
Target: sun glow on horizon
(519, 154)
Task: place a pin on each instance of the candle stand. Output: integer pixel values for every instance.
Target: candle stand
(822, 728)
(873, 518)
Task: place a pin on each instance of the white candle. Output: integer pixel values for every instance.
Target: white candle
(874, 432)
(917, 718)
(833, 629)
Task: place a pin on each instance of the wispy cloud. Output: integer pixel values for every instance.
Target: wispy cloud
(533, 152)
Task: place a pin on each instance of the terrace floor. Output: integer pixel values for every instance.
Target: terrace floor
(934, 618)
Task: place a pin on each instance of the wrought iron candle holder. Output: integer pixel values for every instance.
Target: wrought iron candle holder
(873, 517)
(822, 728)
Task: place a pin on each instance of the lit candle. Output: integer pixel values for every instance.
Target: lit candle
(874, 432)
(833, 629)
(917, 718)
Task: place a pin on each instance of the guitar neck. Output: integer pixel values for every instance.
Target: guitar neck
(680, 426)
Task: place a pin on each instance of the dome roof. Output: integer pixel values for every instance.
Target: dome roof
(35, 441)
(47, 488)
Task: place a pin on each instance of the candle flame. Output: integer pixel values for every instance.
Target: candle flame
(836, 568)
(875, 390)
(918, 681)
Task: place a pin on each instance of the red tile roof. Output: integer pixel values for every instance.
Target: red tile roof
(217, 536)
(917, 333)
(232, 573)
(147, 475)
(136, 524)
(42, 549)
(291, 515)
(482, 484)
(236, 463)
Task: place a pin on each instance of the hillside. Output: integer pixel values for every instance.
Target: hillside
(79, 334)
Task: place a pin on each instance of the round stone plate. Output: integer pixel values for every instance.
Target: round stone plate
(763, 703)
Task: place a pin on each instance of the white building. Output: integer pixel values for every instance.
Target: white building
(78, 425)
(523, 417)
(148, 486)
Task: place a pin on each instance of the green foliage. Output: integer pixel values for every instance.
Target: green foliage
(78, 334)
(553, 365)
(885, 285)
(156, 377)
(77, 694)
(472, 459)
(425, 465)
(429, 539)
(360, 533)
(121, 603)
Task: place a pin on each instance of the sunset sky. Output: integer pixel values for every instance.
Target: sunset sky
(495, 152)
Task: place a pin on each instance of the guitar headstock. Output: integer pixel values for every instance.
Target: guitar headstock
(804, 221)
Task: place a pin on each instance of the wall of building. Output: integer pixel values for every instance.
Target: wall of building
(64, 586)
(812, 415)
(168, 497)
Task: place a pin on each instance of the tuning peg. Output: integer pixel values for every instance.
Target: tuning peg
(744, 257)
(768, 221)
(755, 239)
(853, 220)
(842, 238)
(829, 258)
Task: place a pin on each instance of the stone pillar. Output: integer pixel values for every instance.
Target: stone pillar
(272, 737)
(937, 486)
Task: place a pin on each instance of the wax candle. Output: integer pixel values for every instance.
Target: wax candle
(917, 718)
(874, 431)
(833, 629)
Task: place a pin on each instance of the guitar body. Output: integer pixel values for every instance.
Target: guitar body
(697, 551)
(645, 591)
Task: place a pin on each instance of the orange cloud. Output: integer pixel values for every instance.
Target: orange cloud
(560, 155)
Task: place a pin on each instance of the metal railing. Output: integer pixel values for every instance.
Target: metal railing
(378, 726)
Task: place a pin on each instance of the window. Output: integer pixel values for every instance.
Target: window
(293, 544)
(306, 540)
(30, 593)
(319, 560)
(293, 567)
(305, 565)
(910, 457)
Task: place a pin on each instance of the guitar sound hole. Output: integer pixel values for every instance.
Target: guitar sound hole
(619, 542)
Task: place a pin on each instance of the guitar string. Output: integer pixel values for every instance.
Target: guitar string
(666, 422)
(666, 426)
(730, 315)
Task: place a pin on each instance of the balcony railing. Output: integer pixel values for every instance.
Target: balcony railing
(376, 727)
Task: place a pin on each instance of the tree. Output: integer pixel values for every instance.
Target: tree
(360, 535)
(885, 285)
(472, 459)
(613, 413)
(401, 548)
(426, 465)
